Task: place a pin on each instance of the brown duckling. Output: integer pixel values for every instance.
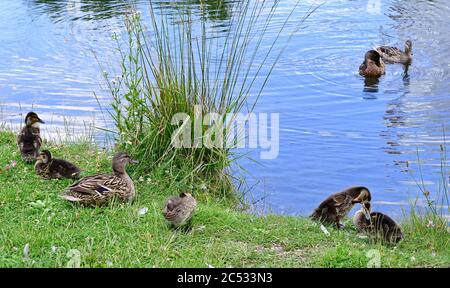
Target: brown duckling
(337, 206)
(29, 139)
(180, 209)
(377, 224)
(373, 65)
(99, 189)
(395, 55)
(51, 168)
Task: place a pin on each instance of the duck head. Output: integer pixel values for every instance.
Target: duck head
(120, 161)
(362, 196)
(366, 210)
(32, 119)
(45, 156)
(373, 56)
(185, 194)
(408, 47)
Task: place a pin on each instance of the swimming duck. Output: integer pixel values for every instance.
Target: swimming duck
(337, 206)
(51, 168)
(377, 224)
(395, 55)
(180, 209)
(373, 65)
(99, 189)
(29, 139)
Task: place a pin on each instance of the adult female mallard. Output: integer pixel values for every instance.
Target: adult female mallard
(337, 206)
(395, 55)
(51, 168)
(377, 224)
(99, 189)
(29, 139)
(180, 209)
(373, 65)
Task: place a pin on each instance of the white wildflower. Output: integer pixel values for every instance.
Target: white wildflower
(324, 230)
(26, 252)
(143, 211)
(75, 258)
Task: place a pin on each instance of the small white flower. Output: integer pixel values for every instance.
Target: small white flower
(74, 256)
(324, 230)
(203, 186)
(209, 265)
(141, 179)
(143, 211)
(109, 264)
(433, 254)
(54, 248)
(26, 252)
(413, 258)
(430, 223)
(149, 180)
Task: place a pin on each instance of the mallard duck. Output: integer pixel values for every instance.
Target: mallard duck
(395, 55)
(29, 139)
(337, 206)
(99, 189)
(51, 168)
(373, 65)
(180, 209)
(377, 224)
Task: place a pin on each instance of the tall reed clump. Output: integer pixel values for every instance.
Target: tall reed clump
(174, 65)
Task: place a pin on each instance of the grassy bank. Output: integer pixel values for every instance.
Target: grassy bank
(32, 213)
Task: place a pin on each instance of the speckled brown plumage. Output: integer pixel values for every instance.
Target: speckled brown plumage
(395, 55)
(338, 205)
(51, 168)
(100, 189)
(29, 139)
(373, 65)
(379, 225)
(180, 209)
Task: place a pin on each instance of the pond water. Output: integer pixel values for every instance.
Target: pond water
(334, 131)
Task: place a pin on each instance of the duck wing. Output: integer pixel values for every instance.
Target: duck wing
(341, 199)
(388, 51)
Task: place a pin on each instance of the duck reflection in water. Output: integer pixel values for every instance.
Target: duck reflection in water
(371, 84)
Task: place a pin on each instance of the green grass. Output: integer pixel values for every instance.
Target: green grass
(32, 213)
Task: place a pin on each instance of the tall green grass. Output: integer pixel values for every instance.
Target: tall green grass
(433, 214)
(174, 63)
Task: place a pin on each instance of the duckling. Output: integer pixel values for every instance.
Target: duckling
(377, 224)
(337, 206)
(373, 65)
(99, 189)
(29, 139)
(51, 168)
(180, 209)
(395, 55)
